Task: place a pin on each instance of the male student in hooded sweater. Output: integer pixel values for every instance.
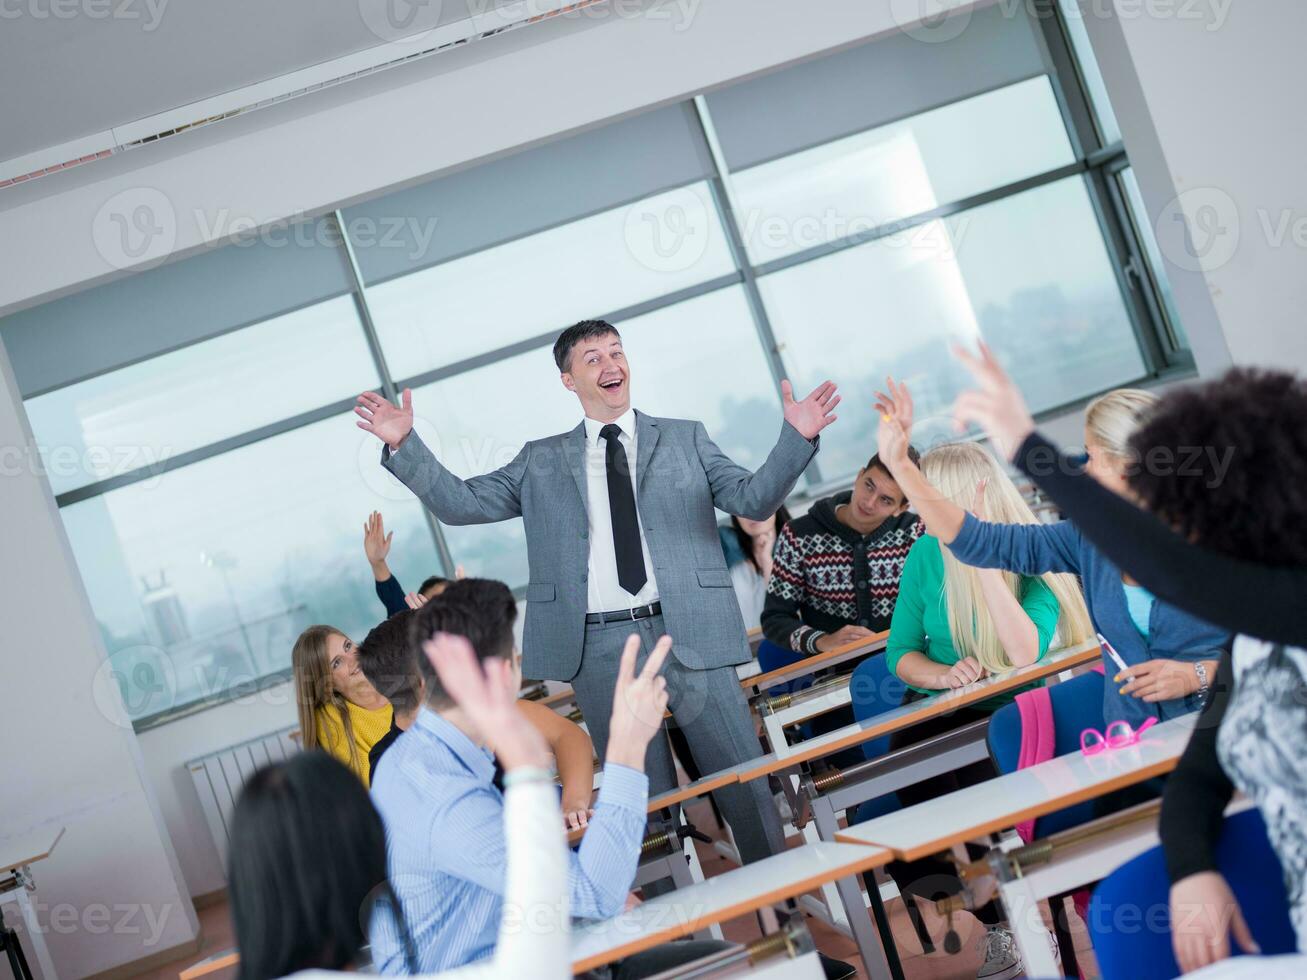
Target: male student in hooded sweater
(835, 571)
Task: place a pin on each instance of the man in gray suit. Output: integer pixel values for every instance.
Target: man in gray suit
(621, 539)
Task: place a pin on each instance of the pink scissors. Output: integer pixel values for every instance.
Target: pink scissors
(1119, 735)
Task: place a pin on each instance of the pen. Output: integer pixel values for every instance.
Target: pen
(1111, 652)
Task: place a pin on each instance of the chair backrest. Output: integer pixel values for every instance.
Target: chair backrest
(873, 690)
(772, 657)
(1077, 704)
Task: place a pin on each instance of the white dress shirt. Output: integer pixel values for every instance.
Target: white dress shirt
(606, 593)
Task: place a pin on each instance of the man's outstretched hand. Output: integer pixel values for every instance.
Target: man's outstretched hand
(389, 424)
(812, 414)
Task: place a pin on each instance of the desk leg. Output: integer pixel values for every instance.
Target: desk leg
(879, 955)
(37, 936)
(1027, 924)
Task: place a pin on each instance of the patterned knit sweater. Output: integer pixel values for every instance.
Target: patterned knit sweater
(826, 575)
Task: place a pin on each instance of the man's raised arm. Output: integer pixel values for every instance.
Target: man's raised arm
(495, 496)
(760, 494)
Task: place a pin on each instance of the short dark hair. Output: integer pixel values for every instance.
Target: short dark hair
(389, 661)
(481, 609)
(1236, 477)
(307, 869)
(431, 583)
(573, 335)
(876, 463)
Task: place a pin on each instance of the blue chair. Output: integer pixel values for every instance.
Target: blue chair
(1077, 705)
(1129, 915)
(873, 690)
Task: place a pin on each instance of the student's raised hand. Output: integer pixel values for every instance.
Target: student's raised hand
(895, 428)
(385, 421)
(639, 702)
(486, 690)
(995, 404)
(812, 414)
(1204, 912)
(415, 600)
(376, 542)
(965, 671)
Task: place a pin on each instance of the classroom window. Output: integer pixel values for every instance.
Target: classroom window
(202, 578)
(147, 413)
(544, 282)
(1029, 273)
(851, 186)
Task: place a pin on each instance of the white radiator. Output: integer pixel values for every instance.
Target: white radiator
(220, 775)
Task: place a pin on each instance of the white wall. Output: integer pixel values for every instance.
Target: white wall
(112, 890)
(1213, 121)
(404, 125)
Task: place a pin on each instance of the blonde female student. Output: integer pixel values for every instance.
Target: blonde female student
(954, 624)
(339, 710)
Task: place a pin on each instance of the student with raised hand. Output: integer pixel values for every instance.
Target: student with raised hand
(339, 710)
(376, 545)
(308, 871)
(443, 814)
(389, 660)
(1171, 653)
(954, 624)
(1231, 541)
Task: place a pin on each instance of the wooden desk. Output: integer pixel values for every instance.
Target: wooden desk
(225, 960)
(720, 899)
(819, 661)
(908, 715)
(977, 811)
(17, 854)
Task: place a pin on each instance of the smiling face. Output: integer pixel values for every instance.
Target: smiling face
(600, 377)
(346, 676)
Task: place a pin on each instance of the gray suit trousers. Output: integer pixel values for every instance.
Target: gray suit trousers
(711, 709)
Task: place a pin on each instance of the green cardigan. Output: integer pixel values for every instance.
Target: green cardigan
(921, 614)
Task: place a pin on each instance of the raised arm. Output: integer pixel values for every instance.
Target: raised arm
(1028, 549)
(761, 493)
(494, 496)
(1241, 596)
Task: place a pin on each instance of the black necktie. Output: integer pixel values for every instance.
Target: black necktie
(621, 505)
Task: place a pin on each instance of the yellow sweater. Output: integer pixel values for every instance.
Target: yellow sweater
(370, 726)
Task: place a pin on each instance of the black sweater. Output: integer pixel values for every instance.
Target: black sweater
(1261, 601)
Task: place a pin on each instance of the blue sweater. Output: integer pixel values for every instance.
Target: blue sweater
(1033, 549)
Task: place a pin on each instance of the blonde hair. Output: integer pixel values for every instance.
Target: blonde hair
(955, 470)
(314, 690)
(1111, 419)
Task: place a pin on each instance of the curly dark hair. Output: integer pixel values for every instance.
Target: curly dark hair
(1225, 463)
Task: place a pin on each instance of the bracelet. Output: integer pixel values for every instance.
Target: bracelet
(527, 774)
(1200, 670)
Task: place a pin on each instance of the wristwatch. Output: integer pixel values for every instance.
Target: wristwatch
(1200, 669)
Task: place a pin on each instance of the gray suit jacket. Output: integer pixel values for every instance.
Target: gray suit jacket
(680, 476)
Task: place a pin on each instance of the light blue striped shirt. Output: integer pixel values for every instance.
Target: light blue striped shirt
(445, 839)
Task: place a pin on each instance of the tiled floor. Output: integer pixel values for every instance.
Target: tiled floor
(217, 932)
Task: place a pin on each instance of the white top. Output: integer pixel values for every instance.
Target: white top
(606, 593)
(534, 929)
(750, 592)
